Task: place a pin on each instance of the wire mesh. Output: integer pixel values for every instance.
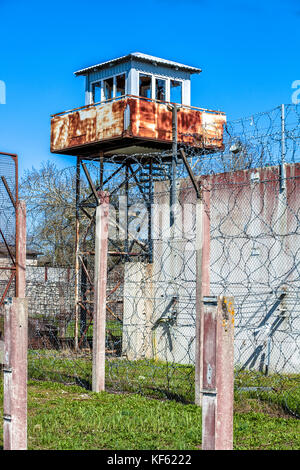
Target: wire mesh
(8, 200)
(151, 287)
(8, 197)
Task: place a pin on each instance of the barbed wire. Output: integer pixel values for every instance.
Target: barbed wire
(151, 292)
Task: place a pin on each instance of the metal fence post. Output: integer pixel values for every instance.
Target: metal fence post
(21, 249)
(77, 244)
(283, 150)
(218, 373)
(202, 282)
(173, 166)
(101, 248)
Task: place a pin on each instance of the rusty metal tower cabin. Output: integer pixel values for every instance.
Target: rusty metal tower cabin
(127, 110)
(136, 107)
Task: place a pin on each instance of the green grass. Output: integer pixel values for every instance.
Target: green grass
(260, 431)
(76, 419)
(280, 390)
(149, 377)
(114, 326)
(72, 417)
(161, 380)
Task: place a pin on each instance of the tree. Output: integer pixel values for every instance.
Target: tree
(50, 199)
(50, 196)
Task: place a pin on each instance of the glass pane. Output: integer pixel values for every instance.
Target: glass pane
(175, 92)
(160, 89)
(108, 88)
(145, 86)
(120, 85)
(96, 90)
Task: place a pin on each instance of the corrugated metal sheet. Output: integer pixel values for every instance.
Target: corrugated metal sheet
(138, 56)
(135, 118)
(101, 74)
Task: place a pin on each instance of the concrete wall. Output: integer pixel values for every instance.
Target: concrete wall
(50, 291)
(138, 311)
(254, 256)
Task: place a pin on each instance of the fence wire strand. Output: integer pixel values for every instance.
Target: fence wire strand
(151, 291)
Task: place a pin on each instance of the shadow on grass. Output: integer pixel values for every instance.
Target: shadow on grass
(63, 379)
(148, 391)
(170, 395)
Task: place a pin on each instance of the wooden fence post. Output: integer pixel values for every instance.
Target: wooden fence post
(202, 281)
(101, 249)
(218, 373)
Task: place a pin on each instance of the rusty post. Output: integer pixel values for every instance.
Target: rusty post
(20, 249)
(101, 249)
(149, 210)
(83, 299)
(218, 373)
(77, 226)
(126, 221)
(283, 150)
(15, 374)
(173, 165)
(202, 281)
(101, 171)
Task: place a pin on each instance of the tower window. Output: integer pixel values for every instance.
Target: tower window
(160, 89)
(145, 86)
(108, 86)
(175, 91)
(120, 85)
(96, 90)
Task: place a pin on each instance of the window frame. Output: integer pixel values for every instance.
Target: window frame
(181, 82)
(165, 79)
(150, 75)
(92, 88)
(153, 77)
(168, 86)
(115, 84)
(112, 89)
(101, 81)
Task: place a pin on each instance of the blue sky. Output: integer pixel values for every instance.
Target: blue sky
(248, 51)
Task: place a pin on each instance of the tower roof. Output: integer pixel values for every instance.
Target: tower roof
(138, 56)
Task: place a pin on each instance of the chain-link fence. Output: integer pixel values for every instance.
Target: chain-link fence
(8, 198)
(251, 195)
(8, 244)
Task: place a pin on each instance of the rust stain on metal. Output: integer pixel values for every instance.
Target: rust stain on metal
(148, 120)
(209, 351)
